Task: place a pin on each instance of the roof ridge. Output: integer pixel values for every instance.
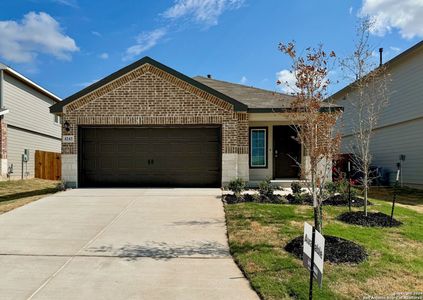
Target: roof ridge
(243, 85)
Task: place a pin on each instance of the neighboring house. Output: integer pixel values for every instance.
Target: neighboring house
(25, 123)
(400, 127)
(149, 125)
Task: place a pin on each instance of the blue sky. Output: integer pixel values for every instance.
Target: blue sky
(64, 45)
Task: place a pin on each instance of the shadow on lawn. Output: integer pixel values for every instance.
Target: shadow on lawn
(163, 250)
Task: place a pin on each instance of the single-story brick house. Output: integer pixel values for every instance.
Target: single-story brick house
(149, 125)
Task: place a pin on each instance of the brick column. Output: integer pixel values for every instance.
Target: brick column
(3, 147)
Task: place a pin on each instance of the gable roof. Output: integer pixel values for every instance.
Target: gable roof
(58, 107)
(257, 100)
(28, 82)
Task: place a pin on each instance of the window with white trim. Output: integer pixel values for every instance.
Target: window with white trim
(56, 119)
(258, 147)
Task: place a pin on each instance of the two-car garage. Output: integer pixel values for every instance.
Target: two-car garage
(149, 156)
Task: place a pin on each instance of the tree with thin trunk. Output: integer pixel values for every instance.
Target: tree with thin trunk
(367, 98)
(313, 120)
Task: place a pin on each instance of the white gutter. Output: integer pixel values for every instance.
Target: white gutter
(25, 80)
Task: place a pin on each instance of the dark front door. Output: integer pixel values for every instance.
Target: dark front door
(140, 156)
(286, 153)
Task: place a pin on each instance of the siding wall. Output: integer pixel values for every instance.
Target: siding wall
(28, 111)
(20, 140)
(400, 128)
(28, 108)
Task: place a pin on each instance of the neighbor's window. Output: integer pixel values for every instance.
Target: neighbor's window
(56, 119)
(258, 147)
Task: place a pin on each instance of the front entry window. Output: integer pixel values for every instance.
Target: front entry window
(258, 147)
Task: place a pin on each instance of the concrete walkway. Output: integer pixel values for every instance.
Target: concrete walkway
(119, 244)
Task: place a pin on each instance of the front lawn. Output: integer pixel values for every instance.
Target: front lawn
(259, 232)
(16, 193)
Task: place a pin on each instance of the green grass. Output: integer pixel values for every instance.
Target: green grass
(258, 233)
(16, 193)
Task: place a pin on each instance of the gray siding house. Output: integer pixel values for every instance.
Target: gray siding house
(26, 123)
(400, 127)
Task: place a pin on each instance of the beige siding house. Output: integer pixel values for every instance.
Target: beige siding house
(400, 127)
(26, 123)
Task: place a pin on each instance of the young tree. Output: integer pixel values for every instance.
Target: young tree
(314, 120)
(368, 96)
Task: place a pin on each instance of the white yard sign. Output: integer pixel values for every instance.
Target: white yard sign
(319, 249)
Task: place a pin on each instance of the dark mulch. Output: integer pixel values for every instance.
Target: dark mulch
(231, 199)
(337, 250)
(372, 220)
(342, 200)
(336, 200)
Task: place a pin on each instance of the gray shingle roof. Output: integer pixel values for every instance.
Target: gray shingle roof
(251, 96)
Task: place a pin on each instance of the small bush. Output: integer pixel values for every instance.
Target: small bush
(61, 186)
(237, 186)
(331, 187)
(296, 188)
(266, 189)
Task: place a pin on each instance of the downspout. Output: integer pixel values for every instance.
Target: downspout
(1, 88)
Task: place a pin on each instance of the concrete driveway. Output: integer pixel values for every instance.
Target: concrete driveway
(119, 244)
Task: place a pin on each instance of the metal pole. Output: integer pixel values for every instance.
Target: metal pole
(349, 185)
(310, 294)
(394, 198)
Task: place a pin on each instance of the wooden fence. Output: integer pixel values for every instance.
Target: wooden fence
(48, 165)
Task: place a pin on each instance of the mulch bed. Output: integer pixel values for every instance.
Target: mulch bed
(337, 250)
(372, 220)
(231, 199)
(342, 200)
(336, 200)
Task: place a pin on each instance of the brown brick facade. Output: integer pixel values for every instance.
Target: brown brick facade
(3, 138)
(150, 96)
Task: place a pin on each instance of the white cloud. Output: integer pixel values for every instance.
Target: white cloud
(287, 81)
(71, 3)
(104, 55)
(36, 33)
(96, 33)
(85, 84)
(395, 49)
(350, 10)
(201, 11)
(145, 41)
(404, 15)
(243, 80)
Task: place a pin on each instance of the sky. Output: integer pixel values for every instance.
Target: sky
(66, 45)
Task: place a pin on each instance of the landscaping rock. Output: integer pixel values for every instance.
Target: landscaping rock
(337, 250)
(372, 220)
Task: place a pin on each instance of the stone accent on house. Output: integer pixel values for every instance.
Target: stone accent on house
(150, 96)
(70, 170)
(3, 147)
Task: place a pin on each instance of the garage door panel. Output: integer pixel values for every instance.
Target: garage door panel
(150, 157)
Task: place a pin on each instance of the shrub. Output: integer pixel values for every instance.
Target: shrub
(237, 186)
(296, 188)
(266, 189)
(331, 187)
(61, 186)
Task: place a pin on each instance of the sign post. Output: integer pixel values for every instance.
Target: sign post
(313, 255)
(395, 193)
(349, 184)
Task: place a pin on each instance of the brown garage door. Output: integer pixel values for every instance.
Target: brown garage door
(136, 157)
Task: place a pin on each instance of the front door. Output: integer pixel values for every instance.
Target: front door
(286, 153)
